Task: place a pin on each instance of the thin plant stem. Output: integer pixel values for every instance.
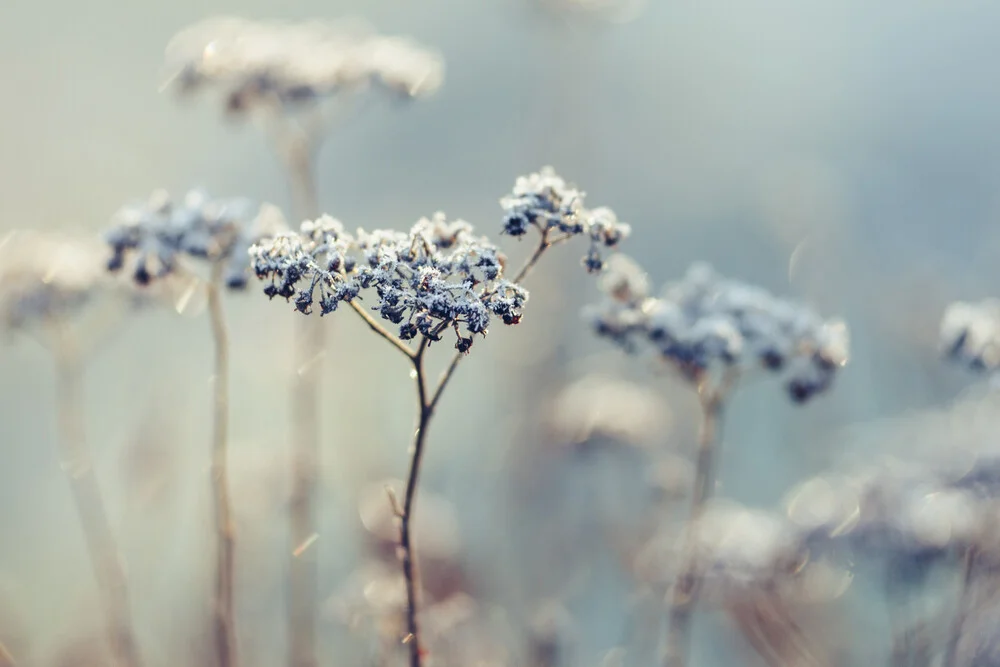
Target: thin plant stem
(374, 325)
(426, 404)
(964, 604)
(224, 622)
(428, 401)
(75, 459)
(310, 347)
(686, 588)
(6, 659)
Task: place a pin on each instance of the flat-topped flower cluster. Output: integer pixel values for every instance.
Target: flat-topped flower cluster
(256, 64)
(437, 276)
(705, 322)
(153, 235)
(47, 276)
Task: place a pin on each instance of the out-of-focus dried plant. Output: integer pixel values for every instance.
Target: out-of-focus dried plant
(711, 331)
(156, 238)
(262, 64)
(46, 283)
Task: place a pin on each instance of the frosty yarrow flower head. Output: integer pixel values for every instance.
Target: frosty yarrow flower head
(437, 276)
(152, 236)
(970, 334)
(706, 322)
(545, 201)
(262, 63)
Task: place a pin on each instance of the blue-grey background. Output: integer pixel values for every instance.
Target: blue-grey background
(859, 138)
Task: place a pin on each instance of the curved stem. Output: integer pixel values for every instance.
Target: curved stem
(686, 588)
(374, 325)
(428, 401)
(544, 243)
(75, 460)
(224, 624)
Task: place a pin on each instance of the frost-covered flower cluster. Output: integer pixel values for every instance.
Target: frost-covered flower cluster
(47, 276)
(256, 64)
(152, 236)
(970, 334)
(706, 322)
(437, 276)
(546, 202)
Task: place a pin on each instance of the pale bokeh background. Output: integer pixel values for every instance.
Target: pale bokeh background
(861, 139)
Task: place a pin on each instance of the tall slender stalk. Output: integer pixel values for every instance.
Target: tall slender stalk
(306, 395)
(74, 457)
(224, 623)
(427, 401)
(686, 588)
(6, 659)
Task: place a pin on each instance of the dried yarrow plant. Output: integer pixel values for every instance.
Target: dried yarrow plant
(49, 283)
(159, 238)
(711, 331)
(439, 280)
(287, 76)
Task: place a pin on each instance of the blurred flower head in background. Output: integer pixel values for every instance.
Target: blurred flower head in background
(45, 276)
(273, 64)
(705, 322)
(154, 235)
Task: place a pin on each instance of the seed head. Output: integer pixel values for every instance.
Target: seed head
(152, 236)
(47, 276)
(546, 202)
(439, 276)
(704, 322)
(259, 64)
